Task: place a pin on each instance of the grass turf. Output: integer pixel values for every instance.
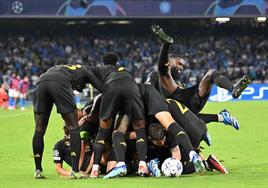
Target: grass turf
(244, 152)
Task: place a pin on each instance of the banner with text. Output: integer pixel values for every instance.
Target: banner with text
(252, 92)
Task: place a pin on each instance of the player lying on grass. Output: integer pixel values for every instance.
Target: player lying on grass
(162, 146)
(61, 152)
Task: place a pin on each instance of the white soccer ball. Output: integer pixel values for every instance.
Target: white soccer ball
(172, 167)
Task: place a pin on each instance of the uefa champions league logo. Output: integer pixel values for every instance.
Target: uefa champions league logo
(68, 9)
(217, 8)
(17, 7)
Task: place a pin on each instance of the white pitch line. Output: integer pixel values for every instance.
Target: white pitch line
(14, 115)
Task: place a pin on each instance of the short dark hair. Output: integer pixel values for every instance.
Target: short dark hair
(66, 129)
(173, 55)
(156, 131)
(110, 59)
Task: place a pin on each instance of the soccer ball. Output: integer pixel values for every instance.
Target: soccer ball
(172, 167)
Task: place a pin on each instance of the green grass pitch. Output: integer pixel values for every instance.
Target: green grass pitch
(244, 152)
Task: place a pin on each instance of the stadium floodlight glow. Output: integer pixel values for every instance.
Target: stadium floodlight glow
(261, 19)
(101, 23)
(120, 22)
(223, 19)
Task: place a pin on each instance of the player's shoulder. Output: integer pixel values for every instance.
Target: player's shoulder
(62, 143)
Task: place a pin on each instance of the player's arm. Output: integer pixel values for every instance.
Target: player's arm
(57, 157)
(95, 82)
(90, 165)
(82, 153)
(175, 152)
(61, 171)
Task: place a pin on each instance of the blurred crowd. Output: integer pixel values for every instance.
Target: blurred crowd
(233, 55)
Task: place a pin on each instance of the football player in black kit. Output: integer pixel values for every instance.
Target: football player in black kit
(56, 86)
(195, 97)
(194, 127)
(156, 109)
(61, 152)
(121, 93)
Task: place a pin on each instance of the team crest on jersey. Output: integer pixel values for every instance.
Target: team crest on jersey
(56, 153)
(67, 143)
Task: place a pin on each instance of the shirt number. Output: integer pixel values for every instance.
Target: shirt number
(73, 67)
(182, 108)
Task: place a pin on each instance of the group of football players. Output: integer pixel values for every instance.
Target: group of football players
(130, 127)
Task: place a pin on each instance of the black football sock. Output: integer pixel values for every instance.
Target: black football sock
(222, 81)
(38, 148)
(99, 144)
(207, 118)
(75, 145)
(163, 55)
(188, 168)
(119, 146)
(181, 138)
(141, 143)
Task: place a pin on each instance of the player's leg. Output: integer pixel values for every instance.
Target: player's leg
(110, 103)
(141, 146)
(214, 163)
(163, 54)
(11, 98)
(65, 103)
(71, 122)
(181, 139)
(240, 86)
(223, 116)
(118, 136)
(22, 101)
(134, 108)
(99, 144)
(42, 104)
(161, 35)
(213, 77)
(217, 78)
(41, 122)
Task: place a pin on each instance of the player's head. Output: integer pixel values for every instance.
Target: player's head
(66, 131)
(177, 64)
(110, 59)
(157, 134)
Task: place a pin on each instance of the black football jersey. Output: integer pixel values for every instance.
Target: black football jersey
(75, 76)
